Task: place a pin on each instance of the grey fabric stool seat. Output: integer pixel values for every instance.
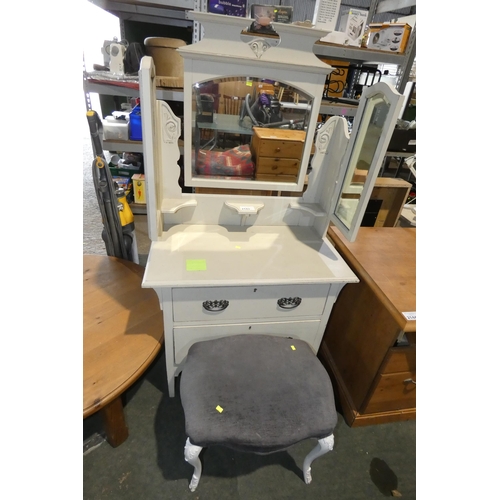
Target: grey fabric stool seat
(256, 393)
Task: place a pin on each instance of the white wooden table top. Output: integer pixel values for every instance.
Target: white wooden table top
(213, 255)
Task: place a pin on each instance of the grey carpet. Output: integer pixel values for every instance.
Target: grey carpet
(366, 462)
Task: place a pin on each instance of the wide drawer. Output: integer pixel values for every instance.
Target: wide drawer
(394, 391)
(287, 166)
(275, 177)
(185, 337)
(400, 359)
(210, 304)
(280, 148)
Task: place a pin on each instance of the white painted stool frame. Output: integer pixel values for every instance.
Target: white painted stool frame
(192, 457)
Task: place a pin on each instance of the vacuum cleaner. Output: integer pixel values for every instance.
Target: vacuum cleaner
(265, 111)
(118, 230)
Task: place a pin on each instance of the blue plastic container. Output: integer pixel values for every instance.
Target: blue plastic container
(135, 124)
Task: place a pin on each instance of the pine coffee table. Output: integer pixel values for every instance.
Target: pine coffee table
(122, 335)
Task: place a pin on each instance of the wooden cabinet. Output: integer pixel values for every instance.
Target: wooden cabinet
(373, 371)
(393, 193)
(277, 153)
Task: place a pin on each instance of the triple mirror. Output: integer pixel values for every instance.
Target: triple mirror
(251, 128)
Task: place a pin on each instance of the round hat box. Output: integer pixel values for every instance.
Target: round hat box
(163, 51)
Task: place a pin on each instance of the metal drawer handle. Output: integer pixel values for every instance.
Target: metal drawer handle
(409, 381)
(215, 305)
(289, 303)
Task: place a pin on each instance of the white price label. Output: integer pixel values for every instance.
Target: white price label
(410, 316)
(247, 209)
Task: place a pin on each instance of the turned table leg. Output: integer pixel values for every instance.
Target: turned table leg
(114, 422)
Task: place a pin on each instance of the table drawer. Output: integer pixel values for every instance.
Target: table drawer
(400, 359)
(185, 337)
(394, 391)
(249, 303)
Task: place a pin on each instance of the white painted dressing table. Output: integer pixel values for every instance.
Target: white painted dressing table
(226, 265)
(250, 268)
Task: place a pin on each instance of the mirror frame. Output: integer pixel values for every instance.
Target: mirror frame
(222, 53)
(395, 102)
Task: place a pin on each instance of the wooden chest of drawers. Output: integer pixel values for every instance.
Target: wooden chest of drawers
(374, 374)
(277, 153)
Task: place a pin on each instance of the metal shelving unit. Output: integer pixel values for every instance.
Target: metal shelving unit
(167, 12)
(356, 54)
(365, 56)
(124, 146)
(110, 89)
(173, 12)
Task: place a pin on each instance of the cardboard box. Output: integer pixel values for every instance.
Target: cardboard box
(271, 13)
(336, 82)
(122, 181)
(139, 185)
(334, 37)
(283, 14)
(390, 37)
(353, 26)
(236, 8)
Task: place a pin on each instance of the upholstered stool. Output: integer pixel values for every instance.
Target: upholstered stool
(257, 393)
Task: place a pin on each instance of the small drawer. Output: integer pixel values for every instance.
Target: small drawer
(394, 391)
(275, 178)
(249, 303)
(185, 337)
(275, 142)
(400, 359)
(269, 165)
(280, 148)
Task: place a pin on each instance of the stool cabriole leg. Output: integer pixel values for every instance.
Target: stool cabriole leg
(191, 455)
(324, 445)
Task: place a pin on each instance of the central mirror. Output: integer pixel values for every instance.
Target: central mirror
(248, 128)
(251, 107)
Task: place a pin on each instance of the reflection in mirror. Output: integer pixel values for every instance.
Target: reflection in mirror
(248, 128)
(363, 152)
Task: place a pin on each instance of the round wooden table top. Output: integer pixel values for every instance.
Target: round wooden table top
(122, 328)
